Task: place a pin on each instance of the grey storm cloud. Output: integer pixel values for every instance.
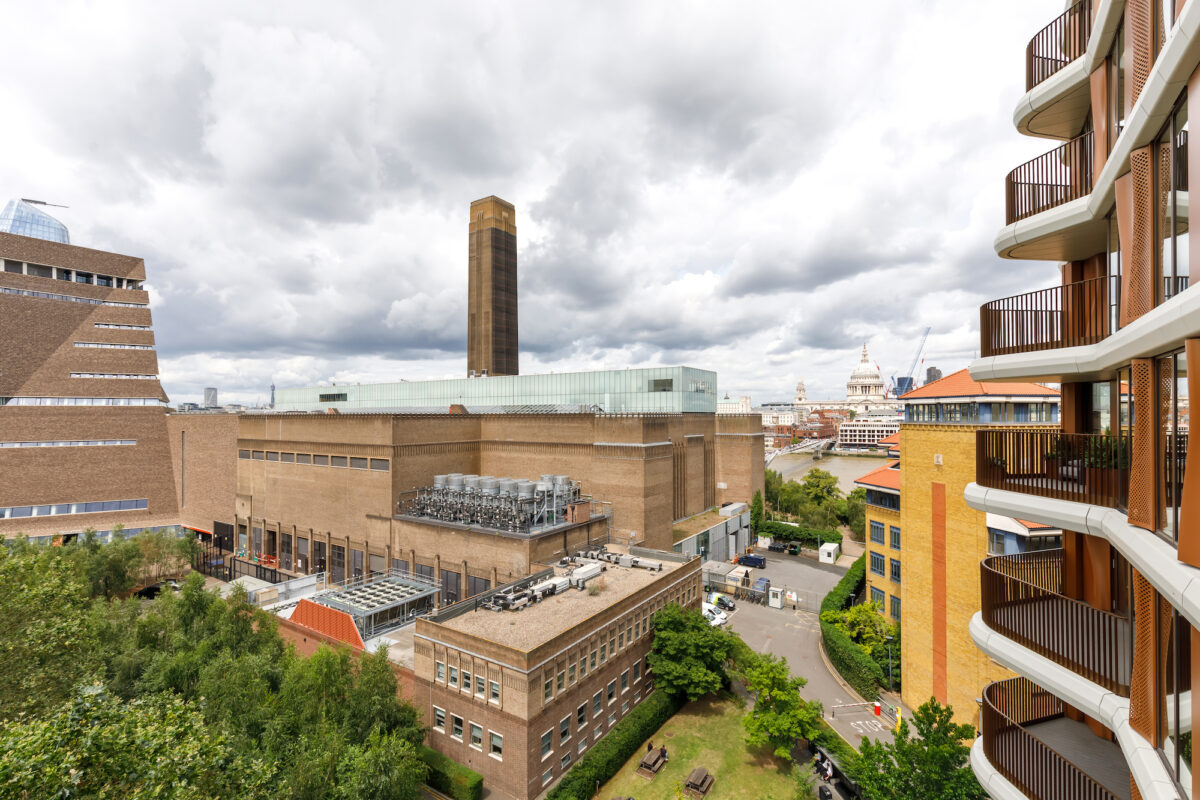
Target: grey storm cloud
(692, 183)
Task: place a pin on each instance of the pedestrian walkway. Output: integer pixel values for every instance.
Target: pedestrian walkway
(796, 636)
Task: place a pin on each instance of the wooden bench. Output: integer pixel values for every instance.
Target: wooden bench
(698, 783)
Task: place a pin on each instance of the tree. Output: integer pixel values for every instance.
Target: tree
(820, 486)
(43, 629)
(756, 512)
(779, 716)
(97, 745)
(864, 624)
(374, 705)
(855, 515)
(772, 482)
(386, 767)
(932, 764)
(688, 655)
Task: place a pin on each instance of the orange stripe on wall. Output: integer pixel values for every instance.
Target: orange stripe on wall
(939, 592)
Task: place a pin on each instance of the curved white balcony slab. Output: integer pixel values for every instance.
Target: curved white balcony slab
(1055, 108)
(995, 784)
(1150, 555)
(1166, 80)
(1161, 329)
(1111, 710)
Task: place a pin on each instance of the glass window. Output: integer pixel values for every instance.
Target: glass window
(612, 691)
(549, 691)
(380, 464)
(895, 570)
(895, 608)
(597, 704)
(625, 681)
(637, 671)
(546, 744)
(476, 736)
(494, 690)
(337, 461)
(876, 532)
(456, 726)
(995, 542)
(303, 458)
(358, 463)
(451, 587)
(547, 776)
(581, 716)
(439, 719)
(877, 563)
(566, 760)
(320, 461)
(878, 596)
(895, 537)
(497, 745)
(564, 729)
(466, 680)
(337, 563)
(480, 685)
(454, 676)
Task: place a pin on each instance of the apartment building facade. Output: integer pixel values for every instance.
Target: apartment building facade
(1099, 632)
(520, 696)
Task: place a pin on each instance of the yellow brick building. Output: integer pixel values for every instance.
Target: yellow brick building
(883, 525)
(944, 539)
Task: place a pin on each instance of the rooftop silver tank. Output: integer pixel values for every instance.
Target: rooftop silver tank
(507, 486)
(525, 488)
(562, 480)
(439, 481)
(544, 486)
(454, 481)
(489, 485)
(546, 479)
(470, 481)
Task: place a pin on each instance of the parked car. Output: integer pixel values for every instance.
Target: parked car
(712, 618)
(722, 601)
(717, 613)
(777, 547)
(753, 560)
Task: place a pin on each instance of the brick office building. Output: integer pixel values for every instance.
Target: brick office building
(520, 696)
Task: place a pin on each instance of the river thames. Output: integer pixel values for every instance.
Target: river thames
(847, 469)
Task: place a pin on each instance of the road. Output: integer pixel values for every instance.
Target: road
(796, 636)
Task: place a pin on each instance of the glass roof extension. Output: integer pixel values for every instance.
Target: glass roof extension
(24, 219)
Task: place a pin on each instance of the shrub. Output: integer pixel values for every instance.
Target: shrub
(808, 537)
(856, 667)
(609, 754)
(451, 778)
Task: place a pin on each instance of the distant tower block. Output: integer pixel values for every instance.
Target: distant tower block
(210, 397)
(492, 289)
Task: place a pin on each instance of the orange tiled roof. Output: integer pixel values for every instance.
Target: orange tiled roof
(1036, 526)
(893, 439)
(329, 621)
(961, 384)
(884, 477)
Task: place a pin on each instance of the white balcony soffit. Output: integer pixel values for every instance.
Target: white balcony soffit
(1055, 107)
(1161, 329)
(1033, 237)
(1112, 710)
(995, 784)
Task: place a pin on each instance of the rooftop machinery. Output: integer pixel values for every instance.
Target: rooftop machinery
(504, 504)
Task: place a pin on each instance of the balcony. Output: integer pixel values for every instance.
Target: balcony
(1058, 44)
(1028, 740)
(1079, 467)
(1068, 315)
(1022, 599)
(1050, 180)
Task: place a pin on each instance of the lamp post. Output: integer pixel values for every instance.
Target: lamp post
(889, 647)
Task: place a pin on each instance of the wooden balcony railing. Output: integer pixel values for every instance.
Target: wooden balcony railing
(1058, 44)
(1022, 599)
(1030, 764)
(1060, 176)
(1081, 467)
(1062, 316)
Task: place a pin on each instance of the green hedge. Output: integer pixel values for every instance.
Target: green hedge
(451, 778)
(856, 667)
(791, 533)
(610, 754)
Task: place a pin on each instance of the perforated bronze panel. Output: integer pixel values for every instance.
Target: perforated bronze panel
(1139, 28)
(1137, 264)
(1134, 794)
(1143, 688)
(1143, 458)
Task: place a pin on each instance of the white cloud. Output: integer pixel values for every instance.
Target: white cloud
(754, 190)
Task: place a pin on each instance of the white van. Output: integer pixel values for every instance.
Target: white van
(713, 613)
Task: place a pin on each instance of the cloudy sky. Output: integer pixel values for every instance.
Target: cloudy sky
(752, 188)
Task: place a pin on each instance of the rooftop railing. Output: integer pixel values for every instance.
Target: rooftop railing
(1068, 315)
(1058, 44)
(1080, 467)
(1050, 180)
(1033, 766)
(1021, 597)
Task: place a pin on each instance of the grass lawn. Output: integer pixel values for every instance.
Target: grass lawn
(707, 733)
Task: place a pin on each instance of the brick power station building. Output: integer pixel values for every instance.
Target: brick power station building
(390, 503)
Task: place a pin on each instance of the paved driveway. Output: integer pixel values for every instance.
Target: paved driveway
(796, 636)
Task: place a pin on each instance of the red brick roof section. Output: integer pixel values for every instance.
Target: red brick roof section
(893, 439)
(885, 477)
(960, 384)
(329, 621)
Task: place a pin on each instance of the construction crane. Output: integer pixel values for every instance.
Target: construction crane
(906, 382)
